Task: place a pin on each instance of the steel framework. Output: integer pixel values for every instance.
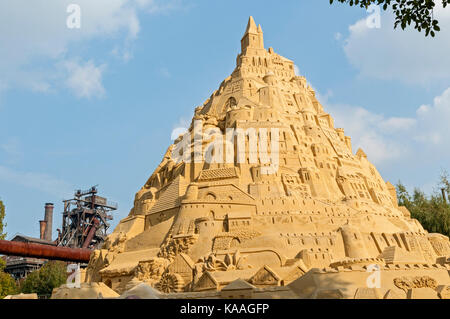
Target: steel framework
(85, 220)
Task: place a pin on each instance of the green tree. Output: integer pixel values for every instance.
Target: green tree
(7, 285)
(52, 275)
(2, 223)
(403, 196)
(419, 12)
(445, 183)
(433, 212)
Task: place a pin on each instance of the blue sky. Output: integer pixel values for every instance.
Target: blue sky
(96, 105)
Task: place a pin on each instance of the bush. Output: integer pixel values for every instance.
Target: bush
(7, 285)
(52, 275)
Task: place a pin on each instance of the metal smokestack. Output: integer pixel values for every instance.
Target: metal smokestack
(49, 221)
(42, 227)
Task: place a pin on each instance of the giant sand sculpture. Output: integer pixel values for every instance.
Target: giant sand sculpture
(315, 221)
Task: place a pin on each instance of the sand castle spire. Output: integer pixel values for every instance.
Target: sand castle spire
(251, 26)
(260, 29)
(253, 37)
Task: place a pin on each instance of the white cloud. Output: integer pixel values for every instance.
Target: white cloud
(434, 121)
(11, 149)
(387, 139)
(85, 79)
(10, 154)
(165, 73)
(163, 6)
(368, 131)
(325, 97)
(404, 55)
(34, 36)
(180, 128)
(42, 182)
(393, 124)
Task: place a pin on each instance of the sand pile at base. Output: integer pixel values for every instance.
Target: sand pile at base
(141, 291)
(86, 291)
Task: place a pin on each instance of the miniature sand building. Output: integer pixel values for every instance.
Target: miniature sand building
(316, 222)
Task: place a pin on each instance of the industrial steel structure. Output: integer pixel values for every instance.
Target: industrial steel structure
(84, 228)
(85, 220)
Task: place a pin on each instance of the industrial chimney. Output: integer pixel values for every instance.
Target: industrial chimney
(42, 227)
(48, 218)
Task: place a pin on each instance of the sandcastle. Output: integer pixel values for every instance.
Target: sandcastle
(296, 214)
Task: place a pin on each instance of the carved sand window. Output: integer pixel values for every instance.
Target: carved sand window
(210, 196)
(231, 102)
